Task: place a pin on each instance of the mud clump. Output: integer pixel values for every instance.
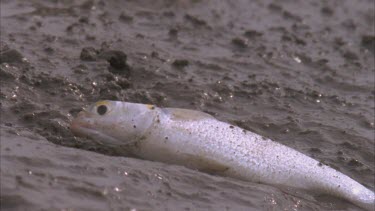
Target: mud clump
(117, 59)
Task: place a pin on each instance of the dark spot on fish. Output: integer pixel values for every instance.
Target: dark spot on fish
(320, 164)
(166, 138)
(152, 107)
(231, 126)
(244, 131)
(134, 126)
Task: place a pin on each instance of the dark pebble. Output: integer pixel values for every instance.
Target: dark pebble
(75, 111)
(89, 54)
(154, 54)
(252, 34)
(239, 42)
(315, 150)
(8, 124)
(173, 32)
(354, 162)
(327, 11)
(49, 50)
(195, 20)
(123, 83)
(10, 56)
(180, 63)
(368, 41)
(83, 19)
(125, 18)
(29, 117)
(350, 55)
(275, 7)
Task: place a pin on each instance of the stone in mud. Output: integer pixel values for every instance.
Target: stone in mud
(355, 163)
(7, 72)
(368, 41)
(8, 55)
(125, 18)
(180, 63)
(195, 20)
(327, 11)
(238, 42)
(173, 32)
(124, 83)
(252, 34)
(350, 55)
(89, 54)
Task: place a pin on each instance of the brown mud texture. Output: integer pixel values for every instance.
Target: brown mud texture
(300, 72)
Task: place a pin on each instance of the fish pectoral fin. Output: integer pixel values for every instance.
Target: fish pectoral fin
(205, 164)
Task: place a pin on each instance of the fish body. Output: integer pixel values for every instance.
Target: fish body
(197, 140)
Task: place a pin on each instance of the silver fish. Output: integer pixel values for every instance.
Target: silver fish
(197, 140)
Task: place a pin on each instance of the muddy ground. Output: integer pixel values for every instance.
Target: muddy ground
(300, 72)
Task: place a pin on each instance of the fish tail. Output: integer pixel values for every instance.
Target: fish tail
(353, 191)
(363, 197)
(331, 181)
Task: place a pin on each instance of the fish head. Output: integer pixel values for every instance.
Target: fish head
(113, 123)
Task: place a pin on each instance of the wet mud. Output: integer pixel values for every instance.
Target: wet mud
(299, 72)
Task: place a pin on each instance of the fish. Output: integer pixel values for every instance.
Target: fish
(197, 140)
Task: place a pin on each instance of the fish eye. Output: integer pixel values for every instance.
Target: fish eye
(102, 109)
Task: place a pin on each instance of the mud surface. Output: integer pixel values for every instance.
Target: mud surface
(299, 72)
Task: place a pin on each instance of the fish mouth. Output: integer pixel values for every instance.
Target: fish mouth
(82, 128)
(79, 128)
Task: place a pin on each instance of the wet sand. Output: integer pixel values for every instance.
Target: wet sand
(299, 72)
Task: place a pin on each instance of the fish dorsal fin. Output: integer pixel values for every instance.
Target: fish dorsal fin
(180, 114)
